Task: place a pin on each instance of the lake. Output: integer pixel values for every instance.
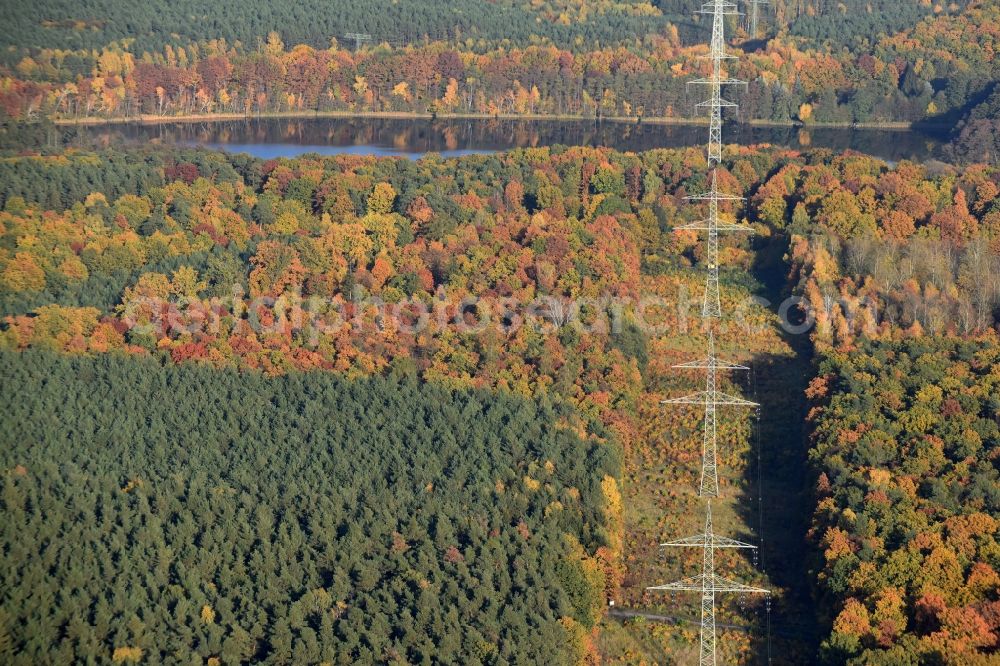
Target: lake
(271, 137)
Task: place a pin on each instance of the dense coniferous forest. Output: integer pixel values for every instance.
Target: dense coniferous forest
(160, 514)
(856, 24)
(93, 24)
(96, 23)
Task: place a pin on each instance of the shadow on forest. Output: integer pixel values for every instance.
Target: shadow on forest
(779, 502)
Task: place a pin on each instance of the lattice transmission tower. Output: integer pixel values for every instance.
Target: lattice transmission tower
(359, 39)
(711, 306)
(754, 16)
(708, 583)
(710, 398)
(719, 9)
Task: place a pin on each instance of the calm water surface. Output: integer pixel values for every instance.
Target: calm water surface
(270, 138)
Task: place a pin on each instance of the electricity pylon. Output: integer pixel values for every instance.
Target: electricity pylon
(359, 38)
(711, 398)
(719, 9)
(708, 582)
(754, 16)
(711, 306)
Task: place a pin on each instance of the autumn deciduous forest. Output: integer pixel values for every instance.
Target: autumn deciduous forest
(883, 254)
(856, 63)
(348, 409)
(905, 528)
